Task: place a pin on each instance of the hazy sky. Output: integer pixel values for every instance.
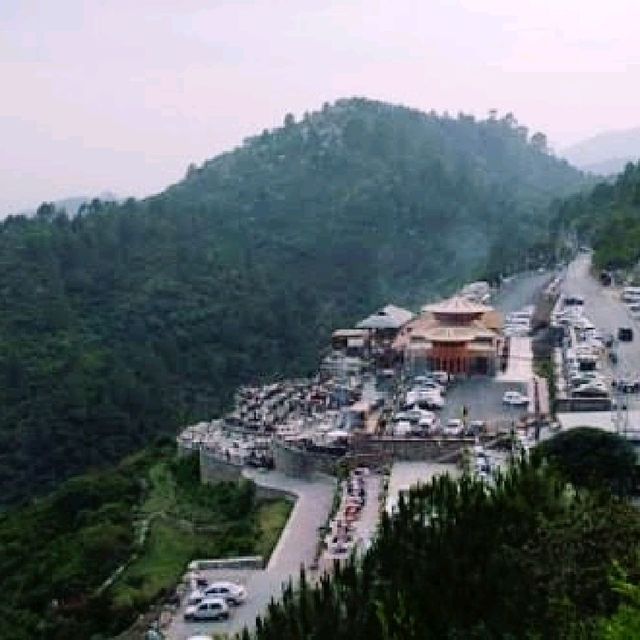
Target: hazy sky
(123, 94)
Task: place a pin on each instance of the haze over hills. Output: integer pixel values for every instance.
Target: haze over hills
(606, 153)
(72, 204)
(125, 322)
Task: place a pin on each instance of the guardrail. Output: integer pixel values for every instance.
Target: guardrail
(242, 562)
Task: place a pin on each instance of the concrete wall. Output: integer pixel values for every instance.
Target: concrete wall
(300, 463)
(213, 469)
(413, 449)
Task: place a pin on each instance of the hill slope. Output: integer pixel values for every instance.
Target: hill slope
(607, 218)
(130, 319)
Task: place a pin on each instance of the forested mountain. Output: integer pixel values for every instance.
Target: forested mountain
(129, 319)
(607, 218)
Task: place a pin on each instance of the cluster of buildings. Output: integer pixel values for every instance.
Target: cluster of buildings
(460, 336)
(353, 394)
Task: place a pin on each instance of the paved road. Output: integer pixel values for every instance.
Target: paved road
(297, 546)
(605, 309)
(520, 291)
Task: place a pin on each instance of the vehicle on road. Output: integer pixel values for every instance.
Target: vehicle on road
(232, 593)
(626, 385)
(625, 334)
(591, 390)
(613, 357)
(454, 427)
(476, 427)
(402, 428)
(515, 398)
(573, 301)
(208, 609)
(631, 294)
(200, 637)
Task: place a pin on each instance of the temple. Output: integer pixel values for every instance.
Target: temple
(456, 335)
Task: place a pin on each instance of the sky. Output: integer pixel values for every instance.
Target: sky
(122, 95)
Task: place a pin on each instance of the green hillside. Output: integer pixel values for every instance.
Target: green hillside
(128, 320)
(608, 218)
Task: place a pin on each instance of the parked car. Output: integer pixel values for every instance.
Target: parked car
(454, 427)
(625, 334)
(402, 428)
(626, 385)
(476, 427)
(232, 593)
(442, 377)
(208, 609)
(515, 398)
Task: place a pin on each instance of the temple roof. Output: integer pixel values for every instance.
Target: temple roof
(457, 305)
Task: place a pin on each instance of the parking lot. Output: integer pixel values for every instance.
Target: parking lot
(297, 546)
(483, 399)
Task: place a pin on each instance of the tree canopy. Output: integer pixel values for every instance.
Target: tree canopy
(593, 458)
(527, 558)
(607, 218)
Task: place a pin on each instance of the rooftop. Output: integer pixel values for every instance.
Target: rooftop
(457, 305)
(389, 317)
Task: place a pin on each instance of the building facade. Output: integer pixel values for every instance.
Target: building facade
(457, 335)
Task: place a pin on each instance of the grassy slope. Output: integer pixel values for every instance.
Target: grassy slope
(65, 546)
(171, 544)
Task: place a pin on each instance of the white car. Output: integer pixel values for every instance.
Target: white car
(208, 609)
(231, 592)
(432, 400)
(515, 398)
(402, 428)
(454, 427)
(427, 421)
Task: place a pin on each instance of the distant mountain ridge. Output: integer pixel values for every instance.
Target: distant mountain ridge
(606, 153)
(72, 204)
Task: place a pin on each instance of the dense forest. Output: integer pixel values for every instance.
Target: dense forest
(530, 557)
(127, 320)
(607, 218)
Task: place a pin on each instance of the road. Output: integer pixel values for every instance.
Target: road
(605, 309)
(297, 546)
(520, 291)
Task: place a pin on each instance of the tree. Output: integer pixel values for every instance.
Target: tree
(592, 458)
(539, 142)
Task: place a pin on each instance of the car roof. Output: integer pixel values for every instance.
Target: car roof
(223, 583)
(213, 600)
